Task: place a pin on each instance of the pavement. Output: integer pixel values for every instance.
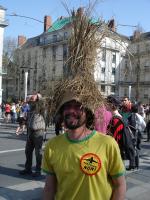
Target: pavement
(138, 181)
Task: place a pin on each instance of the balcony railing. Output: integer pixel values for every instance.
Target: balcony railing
(52, 41)
(134, 83)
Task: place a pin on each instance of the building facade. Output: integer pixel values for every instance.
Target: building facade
(135, 72)
(109, 64)
(3, 24)
(44, 58)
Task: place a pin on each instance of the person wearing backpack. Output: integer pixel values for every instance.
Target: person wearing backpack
(35, 133)
(137, 123)
(119, 129)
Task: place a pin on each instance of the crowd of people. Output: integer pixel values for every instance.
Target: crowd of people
(30, 117)
(85, 152)
(112, 118)
(127, 127)
(120, 119)
(15, 112)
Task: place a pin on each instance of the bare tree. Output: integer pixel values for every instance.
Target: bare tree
(10, 45)
(136, 60)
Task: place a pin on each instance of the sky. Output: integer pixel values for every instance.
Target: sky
(125, 12)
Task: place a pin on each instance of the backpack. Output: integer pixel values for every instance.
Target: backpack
(124, 136)
(131, 120)
(36, 122)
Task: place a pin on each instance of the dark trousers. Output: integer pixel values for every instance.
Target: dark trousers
(148, 130)
(134, 159)
(34, 141)
(148, 135)
(139, 137)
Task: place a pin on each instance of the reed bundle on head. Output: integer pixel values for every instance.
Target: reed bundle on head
(85, 40)
(83, 43)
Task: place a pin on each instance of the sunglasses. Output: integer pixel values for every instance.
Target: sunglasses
(74, 104)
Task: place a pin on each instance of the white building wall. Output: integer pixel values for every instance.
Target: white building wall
(107, 78)
(1, 52)
(2, 26)
(50, 68)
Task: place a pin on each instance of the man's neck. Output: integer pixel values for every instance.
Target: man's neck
(78, 133)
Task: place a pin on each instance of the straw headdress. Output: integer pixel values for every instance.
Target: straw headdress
(79, 81)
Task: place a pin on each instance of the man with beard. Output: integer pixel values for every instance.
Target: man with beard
(82, 164)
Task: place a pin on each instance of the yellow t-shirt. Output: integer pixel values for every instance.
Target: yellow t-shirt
(83, 168)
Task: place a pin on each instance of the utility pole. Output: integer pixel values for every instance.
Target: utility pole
(26, 85)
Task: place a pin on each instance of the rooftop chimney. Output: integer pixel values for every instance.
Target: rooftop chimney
(47, 23)
(136, 35)
(80, 11)
(21, 40)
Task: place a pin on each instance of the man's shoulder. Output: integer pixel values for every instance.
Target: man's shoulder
(56, 140)
(104, 137)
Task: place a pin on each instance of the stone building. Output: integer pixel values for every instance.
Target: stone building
(136, 70)
(44, 58)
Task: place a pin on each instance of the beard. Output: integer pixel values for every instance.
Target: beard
(73, 121)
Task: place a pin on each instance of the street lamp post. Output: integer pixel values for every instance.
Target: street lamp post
(26, 85)
(129, 91)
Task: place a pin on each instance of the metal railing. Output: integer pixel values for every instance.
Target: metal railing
(52, 41)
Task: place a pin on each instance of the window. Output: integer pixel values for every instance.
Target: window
(103, 70)
(35, 65)
(29, 59)
(44, 53)
(23, 60)
(28, 79)
(113, 89)
(54, 52)
(113, 57)
(104, 54)
(54, 38)
(37, 41)
(126, 64)
(113, 71)
(22, 80)
(102, 88)
(35, 79)
(65, 35)
(65, 70)
(146, 68)
(36, 55)
(65, 51)
(17, 84)
(22, 76)
(145, 96)
(125, 92)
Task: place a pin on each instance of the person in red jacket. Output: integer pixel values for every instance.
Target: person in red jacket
(7, 112)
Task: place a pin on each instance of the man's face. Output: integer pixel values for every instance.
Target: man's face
(125, 101)
(73, 115)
